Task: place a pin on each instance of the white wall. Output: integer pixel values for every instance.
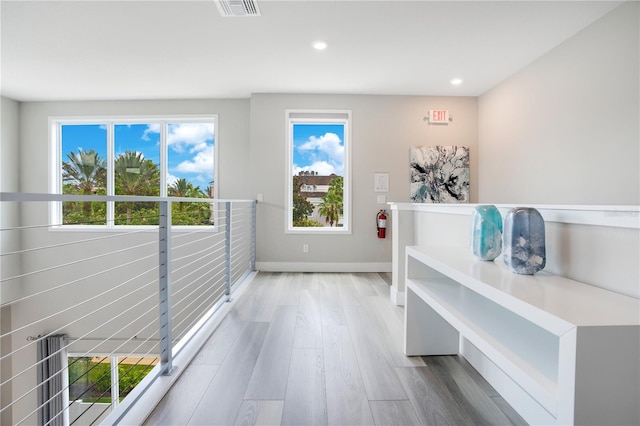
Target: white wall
(564, 130)
(9, 182)
(383, 130)
(9, 241)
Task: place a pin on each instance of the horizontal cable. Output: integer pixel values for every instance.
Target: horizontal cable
(239, 256)
(77, 261)
(183, 234)
(211, 262)
(206, 249)
(216, 298)
(78, 280)
(81, 303)
(69, 243)
(83, 317)
(177, 302)
(239, 245)
(191, 272)
(240, 259)
(239, 264)
(234, 271)
(214, 288)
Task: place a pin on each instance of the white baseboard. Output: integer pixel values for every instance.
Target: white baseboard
(397, 297)
(323, 267)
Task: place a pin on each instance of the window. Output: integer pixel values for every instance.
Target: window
(318, 195)
(99, 383)
(156, 156)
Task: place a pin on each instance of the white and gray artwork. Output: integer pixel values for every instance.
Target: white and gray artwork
(439, 174)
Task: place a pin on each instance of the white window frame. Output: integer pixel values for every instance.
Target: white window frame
(297, 116)
(55, 162)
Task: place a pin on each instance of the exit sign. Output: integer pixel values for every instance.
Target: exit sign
(438, 116)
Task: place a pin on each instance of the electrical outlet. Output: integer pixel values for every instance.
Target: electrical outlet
(305, 248)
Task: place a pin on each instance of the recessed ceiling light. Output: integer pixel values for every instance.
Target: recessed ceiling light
(456, 81)
(319, 45)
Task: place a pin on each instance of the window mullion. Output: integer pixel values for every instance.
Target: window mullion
(111, 187)
(57, 213)
(164, 162)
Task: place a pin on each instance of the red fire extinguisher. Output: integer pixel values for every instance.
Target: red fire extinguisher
(381, 223)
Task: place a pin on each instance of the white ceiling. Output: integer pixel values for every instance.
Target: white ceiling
(92, 50)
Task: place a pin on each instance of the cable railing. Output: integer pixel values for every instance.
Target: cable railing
(89, 312)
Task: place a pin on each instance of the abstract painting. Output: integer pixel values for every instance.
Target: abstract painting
(439, 174)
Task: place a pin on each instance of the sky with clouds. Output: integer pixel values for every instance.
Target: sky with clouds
(190, 146)
(318, 148)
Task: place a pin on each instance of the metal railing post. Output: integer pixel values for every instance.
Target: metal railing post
(254, 208)
(227, 250)
(164, 288)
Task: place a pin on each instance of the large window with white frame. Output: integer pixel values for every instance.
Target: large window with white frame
(142, 156)
(318, 171)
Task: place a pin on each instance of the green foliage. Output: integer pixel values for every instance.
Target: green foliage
(189, 213)
(301, 207)
(135, 175)
(85, 173)
(332, 205)
(98, 374)
(308, 223)
(78, 366)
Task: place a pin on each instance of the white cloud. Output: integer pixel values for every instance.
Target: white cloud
(199, 147)
(151, 128)
(326, 152)
(194, 137)
(201, 163)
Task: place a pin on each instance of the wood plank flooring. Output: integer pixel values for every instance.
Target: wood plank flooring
(324, 349)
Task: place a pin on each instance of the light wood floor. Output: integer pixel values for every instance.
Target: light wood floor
(324, 349)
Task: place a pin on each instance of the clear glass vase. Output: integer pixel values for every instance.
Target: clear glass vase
(524, 241)
(486, 241)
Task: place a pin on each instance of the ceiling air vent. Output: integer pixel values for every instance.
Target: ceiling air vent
(238, 7)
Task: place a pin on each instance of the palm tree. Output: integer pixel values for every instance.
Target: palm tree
(180, 188)
(135, 175)
(86, 173)
(332, 205)
(184, 188)
(196, 213)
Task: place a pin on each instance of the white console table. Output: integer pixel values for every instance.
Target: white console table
(559, 351)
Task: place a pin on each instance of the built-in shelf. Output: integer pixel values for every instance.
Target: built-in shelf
(539, 338)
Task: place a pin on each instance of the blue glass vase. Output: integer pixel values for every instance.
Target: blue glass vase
(523, 241)
(486, 241)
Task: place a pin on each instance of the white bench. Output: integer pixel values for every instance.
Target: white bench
(559, 351)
